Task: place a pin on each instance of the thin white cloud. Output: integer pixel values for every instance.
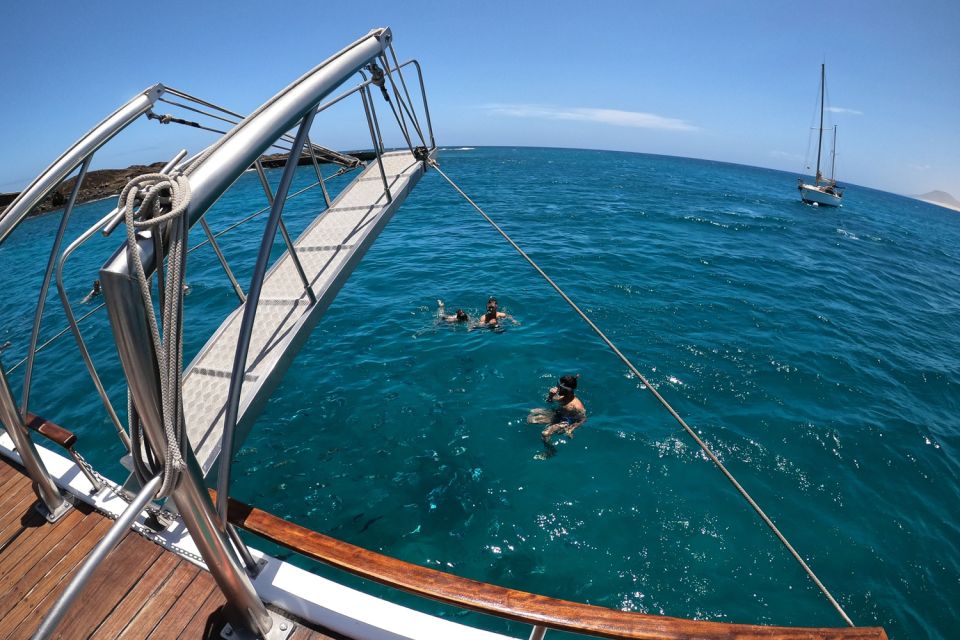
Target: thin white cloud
(920, 167)
(614, 117)
(851, 112)
(776, 153)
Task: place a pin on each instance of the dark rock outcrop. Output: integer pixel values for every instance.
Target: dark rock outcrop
(99, 184)
(105, 183)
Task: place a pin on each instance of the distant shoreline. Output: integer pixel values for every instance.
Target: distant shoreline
(939, 204)
(108, 183)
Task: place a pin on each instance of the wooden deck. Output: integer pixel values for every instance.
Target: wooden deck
(140, 590)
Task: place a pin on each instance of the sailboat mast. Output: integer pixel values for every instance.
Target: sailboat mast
(833, 156)
(823, 75)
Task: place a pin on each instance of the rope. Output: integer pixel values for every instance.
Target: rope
(163, 203)
(660, 398)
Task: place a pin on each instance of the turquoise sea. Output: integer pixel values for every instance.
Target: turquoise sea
(816, 350)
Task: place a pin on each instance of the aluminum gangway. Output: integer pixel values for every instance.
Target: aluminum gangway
(328, 251)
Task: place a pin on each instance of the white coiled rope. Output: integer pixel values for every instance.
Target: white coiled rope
(163, 202)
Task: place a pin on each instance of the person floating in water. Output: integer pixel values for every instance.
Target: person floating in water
(459, 316)
(493, 316)
(569, 415)
(94, 292)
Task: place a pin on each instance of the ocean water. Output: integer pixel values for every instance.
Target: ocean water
(816, 350)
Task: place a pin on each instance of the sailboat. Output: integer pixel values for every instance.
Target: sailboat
(824, 191)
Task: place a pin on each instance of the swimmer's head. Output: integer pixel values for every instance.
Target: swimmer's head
(567, 385)
(491, 304)
(462, 315)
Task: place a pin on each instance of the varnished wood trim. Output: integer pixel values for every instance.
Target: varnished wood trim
(514, 605)
(53, 432)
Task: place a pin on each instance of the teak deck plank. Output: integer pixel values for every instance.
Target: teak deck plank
(144, 622)
(17, 496)
(181, 612)
(209, 619)
(140, 591)
(15, 592)
(143, 592)
(6, 471)
(45, 592)
(112, 580)
(33, 546)
(11, 521)
(10, 476)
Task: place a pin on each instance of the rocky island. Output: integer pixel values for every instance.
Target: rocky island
(106, 183)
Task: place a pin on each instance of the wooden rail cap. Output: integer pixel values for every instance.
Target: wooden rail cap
(54, 432)
(511, 604)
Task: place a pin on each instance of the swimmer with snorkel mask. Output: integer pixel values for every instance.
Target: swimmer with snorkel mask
(569, 415)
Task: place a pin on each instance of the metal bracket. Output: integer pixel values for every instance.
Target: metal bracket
(282, 629)
(60, 511)
(253, 573)
(158, 521)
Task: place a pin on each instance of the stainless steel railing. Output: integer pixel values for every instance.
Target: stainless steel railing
(210, 174)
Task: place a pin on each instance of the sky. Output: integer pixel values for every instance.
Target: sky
(735, 82)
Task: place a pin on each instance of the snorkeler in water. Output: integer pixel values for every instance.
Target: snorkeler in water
(94, 292)
(569, 415)
(493, 316)
(459, 316)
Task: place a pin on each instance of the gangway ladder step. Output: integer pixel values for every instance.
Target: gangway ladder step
(328, 250)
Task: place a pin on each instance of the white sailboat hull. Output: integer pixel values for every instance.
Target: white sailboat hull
(812, 194)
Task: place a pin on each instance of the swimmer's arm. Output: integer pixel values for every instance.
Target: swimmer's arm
(576, 424)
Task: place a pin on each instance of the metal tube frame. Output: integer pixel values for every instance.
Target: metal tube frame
(396, 92)
(538, 632)
(291, 247)
(223, 261)
(56, 337)
(111, 219)
(72, 157)
(316, 168)
(364, 95)
(376, 120)
(250, 217)
(43, 484)
(423, 95)
(73, 324)
(401, 123)
(45, 285)
(139, 361)
(216, 169)
(232, 409)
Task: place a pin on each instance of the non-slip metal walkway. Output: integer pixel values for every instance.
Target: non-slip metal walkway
(328, 250)
(140, 591)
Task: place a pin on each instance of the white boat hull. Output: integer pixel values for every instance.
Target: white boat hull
(812, 194)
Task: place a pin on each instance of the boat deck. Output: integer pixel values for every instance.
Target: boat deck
(139, 591)
(329, 250)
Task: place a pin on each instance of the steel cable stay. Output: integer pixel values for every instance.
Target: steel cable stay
(703, 445)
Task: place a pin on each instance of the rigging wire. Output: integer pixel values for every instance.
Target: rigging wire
(703, 445)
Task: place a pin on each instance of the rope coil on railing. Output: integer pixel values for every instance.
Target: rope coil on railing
(703, 445)
(163, 200)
